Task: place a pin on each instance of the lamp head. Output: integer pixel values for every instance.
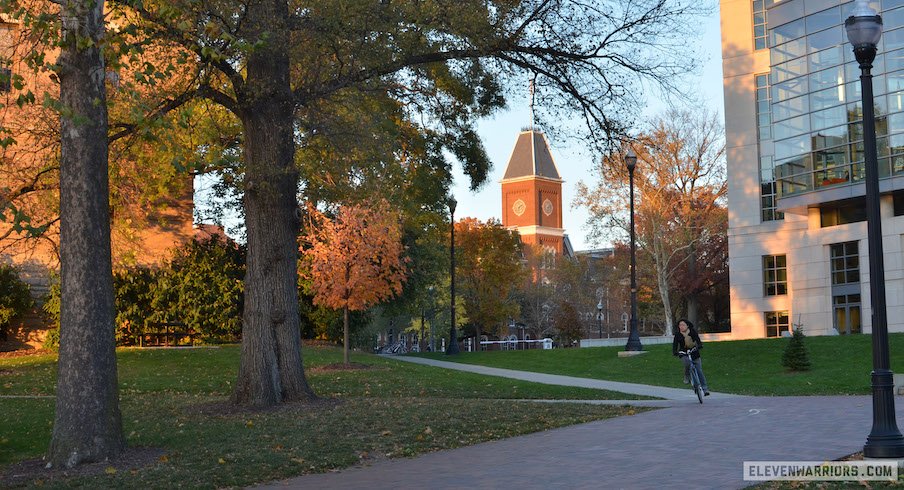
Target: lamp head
(864, 29)
(630, 159)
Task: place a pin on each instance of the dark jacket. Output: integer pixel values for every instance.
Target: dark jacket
(678, 343)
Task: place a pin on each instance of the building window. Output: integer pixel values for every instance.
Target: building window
(775, 275)
(845, 263)
(767, 202)
(759, 24)
(768, 188)
(777, 323)
(842, 213)
(763, 107)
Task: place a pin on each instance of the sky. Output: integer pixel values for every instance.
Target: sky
(499, 134)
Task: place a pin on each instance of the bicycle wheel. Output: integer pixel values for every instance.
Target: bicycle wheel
(698, 388)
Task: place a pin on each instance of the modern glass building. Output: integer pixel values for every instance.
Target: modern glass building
(797, 220)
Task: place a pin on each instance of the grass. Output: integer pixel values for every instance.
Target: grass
(840, 365)
(392, 410)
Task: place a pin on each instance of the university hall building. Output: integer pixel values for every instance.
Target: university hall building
(794, 143)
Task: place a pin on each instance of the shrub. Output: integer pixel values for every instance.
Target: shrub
(795, 357)
(52, 312)
(135, 296)
(204, 286)
(201, 286)
(15, 298)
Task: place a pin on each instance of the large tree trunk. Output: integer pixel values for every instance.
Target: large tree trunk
(87, 426)
(661, 263)
(271, 368)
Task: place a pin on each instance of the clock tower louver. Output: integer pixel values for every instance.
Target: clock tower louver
(532, 193)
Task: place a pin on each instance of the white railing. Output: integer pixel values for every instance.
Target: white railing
(517, 344)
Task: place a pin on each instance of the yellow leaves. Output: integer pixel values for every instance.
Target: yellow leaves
(249, 424)
(110, 470)
(428, 431)
(386, 433)
(221, 461)
(163, 459)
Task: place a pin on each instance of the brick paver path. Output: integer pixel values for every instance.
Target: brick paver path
(685, 445)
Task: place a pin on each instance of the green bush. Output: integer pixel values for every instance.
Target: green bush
(201, 286)
(52, 312)
(15, 298)
(135, 294)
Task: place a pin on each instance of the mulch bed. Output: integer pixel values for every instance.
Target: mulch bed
(24, 352)
(34, 471)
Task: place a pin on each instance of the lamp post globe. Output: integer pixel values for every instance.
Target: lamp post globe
(864, 29)
(633, 337)
(452, 348)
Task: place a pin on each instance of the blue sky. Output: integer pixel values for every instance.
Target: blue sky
(500, 132)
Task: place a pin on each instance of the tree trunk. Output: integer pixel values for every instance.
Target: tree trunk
(692, 301)
(345, 336)
(271, 369)
(87, 425)
(662, 281)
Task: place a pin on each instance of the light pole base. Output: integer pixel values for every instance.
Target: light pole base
(884, 447)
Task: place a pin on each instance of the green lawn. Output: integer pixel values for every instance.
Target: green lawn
(840, 365)
(394, 409)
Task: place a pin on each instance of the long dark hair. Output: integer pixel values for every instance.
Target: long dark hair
(690, 325)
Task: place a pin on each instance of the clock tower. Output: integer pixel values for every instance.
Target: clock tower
(532, 193)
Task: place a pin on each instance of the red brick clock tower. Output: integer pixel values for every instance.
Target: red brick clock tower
(532, 193)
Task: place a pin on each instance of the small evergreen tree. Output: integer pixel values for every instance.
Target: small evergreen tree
(795, 357)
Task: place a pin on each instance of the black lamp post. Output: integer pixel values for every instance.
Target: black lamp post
(599, 315)
(452, 349)
(864, 29)
(633, 338)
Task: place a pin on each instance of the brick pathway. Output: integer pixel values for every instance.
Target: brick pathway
(684, 445)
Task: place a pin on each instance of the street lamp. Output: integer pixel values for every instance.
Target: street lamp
(432, 344)
(633, 338)
(864, 28)
(452, 349)
(599, 315)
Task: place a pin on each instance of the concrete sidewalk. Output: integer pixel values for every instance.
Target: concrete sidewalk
(685, 394)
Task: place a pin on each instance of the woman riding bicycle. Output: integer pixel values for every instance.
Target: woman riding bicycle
(687, 340)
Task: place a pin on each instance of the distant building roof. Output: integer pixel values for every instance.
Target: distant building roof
(597, 253)
(207, 231)
(531, 157)
(567, 248)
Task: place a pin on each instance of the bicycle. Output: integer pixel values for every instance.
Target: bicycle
(695, 375)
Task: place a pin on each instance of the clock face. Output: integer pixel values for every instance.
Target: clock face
(547, 207)
(519, 207)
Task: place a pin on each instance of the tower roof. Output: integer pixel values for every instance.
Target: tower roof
(531, 157)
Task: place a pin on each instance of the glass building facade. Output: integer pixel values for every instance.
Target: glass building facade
(815, 99)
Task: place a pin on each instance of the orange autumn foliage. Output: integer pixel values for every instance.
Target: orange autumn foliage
(355, 260)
